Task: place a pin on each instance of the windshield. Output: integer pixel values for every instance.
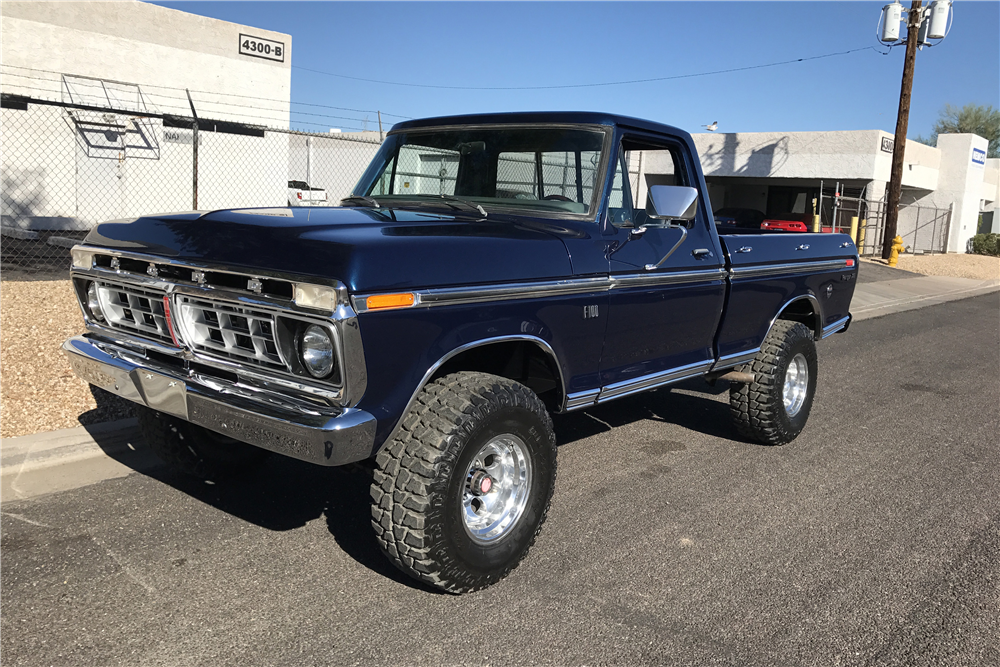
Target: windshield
(545, 169)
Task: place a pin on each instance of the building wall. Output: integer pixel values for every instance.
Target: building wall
(65, 169)
(164, 51)
(991, 197)
(962, 180)
(817, 155)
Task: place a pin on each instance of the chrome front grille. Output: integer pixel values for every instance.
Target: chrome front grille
(229, 331)
(135, 310)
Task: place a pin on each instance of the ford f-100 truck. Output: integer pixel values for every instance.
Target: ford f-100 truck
(486, 272)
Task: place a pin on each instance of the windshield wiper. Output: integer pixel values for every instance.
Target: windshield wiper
(453, 198)
(356, 199)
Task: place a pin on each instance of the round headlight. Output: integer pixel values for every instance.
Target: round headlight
(316, 351)
(94, 303)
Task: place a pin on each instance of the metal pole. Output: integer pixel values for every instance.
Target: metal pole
(194, 171)
(381, 135)
(902, 121)
(817, 225)
(946, 237)
(309, 162)
(836, 206)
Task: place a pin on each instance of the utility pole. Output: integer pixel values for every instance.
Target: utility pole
(913, 18)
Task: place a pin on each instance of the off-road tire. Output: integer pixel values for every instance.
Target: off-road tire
(195, 450)
(757, 409)
(419, 478)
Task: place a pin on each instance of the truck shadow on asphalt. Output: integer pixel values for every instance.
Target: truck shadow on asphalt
(686, 404)
(286, 494)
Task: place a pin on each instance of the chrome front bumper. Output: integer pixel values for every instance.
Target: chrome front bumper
(326, 436)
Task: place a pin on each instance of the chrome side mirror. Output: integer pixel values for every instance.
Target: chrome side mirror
(673, 202)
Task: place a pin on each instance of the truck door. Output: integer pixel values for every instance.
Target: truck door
(668, 283)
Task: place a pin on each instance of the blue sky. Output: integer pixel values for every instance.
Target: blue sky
(525, 44)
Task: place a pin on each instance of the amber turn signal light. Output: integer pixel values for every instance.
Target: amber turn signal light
(384, 301)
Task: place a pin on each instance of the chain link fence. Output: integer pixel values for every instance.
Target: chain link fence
(66, 168)
(924, 229)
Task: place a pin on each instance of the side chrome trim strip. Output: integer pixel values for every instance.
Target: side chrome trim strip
(735, 359)
(582, 399)
(837, 326)
(739, 273)
(651, 279)
(468, 346)
(635, 385)
(449, 296)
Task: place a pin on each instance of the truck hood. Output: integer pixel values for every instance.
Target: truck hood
(367, 249)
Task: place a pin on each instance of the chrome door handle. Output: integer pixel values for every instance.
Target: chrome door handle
(803, 247)
(745, 248)
(701, 252)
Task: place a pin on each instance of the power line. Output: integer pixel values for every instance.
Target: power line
(590, 85)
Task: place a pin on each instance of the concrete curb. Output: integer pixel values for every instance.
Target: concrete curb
(43, 463)
(896, 296)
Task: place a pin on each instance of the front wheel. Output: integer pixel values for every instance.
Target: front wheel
(461, 493)
(774, 408)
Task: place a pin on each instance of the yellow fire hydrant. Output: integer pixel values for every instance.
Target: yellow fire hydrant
(897, 247)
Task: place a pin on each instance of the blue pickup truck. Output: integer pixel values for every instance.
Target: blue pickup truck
(486, 272)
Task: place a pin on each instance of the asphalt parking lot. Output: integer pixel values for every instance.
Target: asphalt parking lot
(873, 539)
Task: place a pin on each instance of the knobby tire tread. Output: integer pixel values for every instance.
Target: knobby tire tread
(755, 407)
(403, 515)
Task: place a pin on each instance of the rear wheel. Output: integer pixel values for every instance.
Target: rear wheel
(460, 495)
(774, 408)
(195, 450)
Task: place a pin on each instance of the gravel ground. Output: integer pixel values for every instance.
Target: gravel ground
(38, 390)
(977, 267)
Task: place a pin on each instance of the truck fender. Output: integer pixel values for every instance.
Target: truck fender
(540, 343)
(817, 314)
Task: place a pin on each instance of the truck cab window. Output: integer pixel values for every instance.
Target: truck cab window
(648, 166)
(620, 201)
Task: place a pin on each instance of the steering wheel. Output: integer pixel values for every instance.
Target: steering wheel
(556, 198)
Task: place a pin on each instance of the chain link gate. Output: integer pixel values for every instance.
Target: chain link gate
(67, 167)
(924, 229)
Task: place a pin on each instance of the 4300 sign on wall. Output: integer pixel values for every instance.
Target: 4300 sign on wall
(262, 48)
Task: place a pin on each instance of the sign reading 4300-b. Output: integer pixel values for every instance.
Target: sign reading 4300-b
(262, 48)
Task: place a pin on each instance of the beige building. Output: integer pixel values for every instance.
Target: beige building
(783, 172)
(143, 57)
(69, 168)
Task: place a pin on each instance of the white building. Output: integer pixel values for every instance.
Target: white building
(68, 168)
(144, 57)
(783, 172)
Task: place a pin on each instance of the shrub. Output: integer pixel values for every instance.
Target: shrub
(986, 244)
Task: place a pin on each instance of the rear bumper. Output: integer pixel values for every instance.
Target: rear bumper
(322, 435)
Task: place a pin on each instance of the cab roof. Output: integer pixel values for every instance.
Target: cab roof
(567, 117)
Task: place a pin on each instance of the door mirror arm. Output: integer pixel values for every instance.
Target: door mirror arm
(684, 234)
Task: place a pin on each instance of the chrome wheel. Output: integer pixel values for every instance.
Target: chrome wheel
(496, 488)
(796, 385)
